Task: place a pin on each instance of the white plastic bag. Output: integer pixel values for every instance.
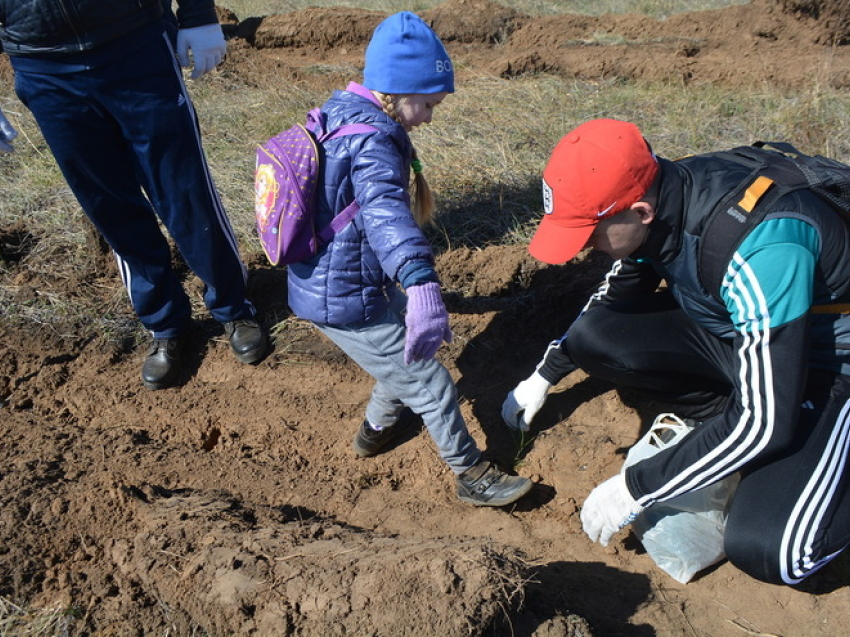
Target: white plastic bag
(683, 535)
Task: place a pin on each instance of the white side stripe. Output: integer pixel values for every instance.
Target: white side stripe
(223, 221)
(756, 424)
(805, 522)
(124, 272)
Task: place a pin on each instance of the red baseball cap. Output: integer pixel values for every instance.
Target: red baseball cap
(596, 170)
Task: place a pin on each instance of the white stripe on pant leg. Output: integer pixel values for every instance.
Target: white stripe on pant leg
(221, 214)
(125, 274)
(804, 523)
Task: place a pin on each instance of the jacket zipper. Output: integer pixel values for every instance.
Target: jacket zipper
(76, 32)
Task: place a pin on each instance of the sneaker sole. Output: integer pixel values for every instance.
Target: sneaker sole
(171, 381)
(158, 386)
(254, 355)
(249, 358)
(363, 452)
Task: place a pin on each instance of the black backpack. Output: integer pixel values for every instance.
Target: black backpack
(777, 168)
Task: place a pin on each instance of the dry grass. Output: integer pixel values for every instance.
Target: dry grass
(16, 621)
(489, 142)
(658, 8)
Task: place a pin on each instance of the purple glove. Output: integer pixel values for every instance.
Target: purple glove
(427, 322)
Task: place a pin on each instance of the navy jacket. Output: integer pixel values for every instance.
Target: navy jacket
(45, 28)
(346, 282)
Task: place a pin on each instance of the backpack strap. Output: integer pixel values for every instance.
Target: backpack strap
(317, 124)
(831, 308)
(771, 177)
(349, 129)
(338, 222)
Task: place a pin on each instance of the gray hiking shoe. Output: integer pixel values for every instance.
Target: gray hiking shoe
(485, 485)
(368, 442)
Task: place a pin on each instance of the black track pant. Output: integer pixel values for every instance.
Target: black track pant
(791, 514)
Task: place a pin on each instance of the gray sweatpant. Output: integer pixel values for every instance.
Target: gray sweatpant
(426, 387)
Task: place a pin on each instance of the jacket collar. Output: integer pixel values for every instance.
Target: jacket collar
(663, 240)
(362, 91)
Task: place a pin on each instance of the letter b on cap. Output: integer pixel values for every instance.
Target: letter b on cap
(548, 203)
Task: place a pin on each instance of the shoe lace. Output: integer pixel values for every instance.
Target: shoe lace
(232, 326)
(164, 344)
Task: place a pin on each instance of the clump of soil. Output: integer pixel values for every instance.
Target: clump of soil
(781, 42)
(828, 19)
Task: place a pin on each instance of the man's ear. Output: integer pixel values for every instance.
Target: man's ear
(645, 211)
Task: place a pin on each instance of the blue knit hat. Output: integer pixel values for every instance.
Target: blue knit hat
(406, 56)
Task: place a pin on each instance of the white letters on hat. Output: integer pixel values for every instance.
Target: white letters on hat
(548, 205)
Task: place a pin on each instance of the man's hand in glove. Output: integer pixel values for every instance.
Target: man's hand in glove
(523, 403)
(608, 508)
(427, 322)
(7, 134)
(207, 45)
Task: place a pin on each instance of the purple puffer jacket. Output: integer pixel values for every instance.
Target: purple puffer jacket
(346, 282)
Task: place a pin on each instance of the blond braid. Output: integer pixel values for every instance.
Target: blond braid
(421, 197)
(388, 104)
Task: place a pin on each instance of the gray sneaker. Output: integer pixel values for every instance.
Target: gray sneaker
(485, 485)
(368, 442)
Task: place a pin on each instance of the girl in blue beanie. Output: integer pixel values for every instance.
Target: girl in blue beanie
(352, 289)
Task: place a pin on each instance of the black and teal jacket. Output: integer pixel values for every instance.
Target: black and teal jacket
(772, 306)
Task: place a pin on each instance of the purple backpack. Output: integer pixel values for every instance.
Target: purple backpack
(287, 171)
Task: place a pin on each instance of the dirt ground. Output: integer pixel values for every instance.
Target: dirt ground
(234, 504)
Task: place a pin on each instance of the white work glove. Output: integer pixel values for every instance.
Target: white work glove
(7, 134)
(608, 508)
(523, 403)
(206, 44)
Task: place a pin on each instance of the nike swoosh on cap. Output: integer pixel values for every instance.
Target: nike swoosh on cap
(602, 213)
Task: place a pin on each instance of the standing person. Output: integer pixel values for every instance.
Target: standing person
(103, 80)
(754, 361)
(350, 290)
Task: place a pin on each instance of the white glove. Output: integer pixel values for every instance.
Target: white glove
(523, 403)
(608, 508)
(7, 134)
(206, 44)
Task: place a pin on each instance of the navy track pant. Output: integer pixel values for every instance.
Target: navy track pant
(125, 136)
